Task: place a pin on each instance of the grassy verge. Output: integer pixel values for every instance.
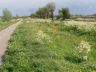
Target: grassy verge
(45, 47)
(3, 25)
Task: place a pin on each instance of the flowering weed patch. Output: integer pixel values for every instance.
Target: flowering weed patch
(83, 26)
(42, 37)
(84, 48)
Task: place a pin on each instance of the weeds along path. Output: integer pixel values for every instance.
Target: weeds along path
(5, 36)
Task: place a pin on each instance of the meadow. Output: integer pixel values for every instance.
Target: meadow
(50, 46)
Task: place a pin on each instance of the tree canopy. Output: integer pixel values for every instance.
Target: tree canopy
(64, 13)
(46, 11)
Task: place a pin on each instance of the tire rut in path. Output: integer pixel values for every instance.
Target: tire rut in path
(5, 36)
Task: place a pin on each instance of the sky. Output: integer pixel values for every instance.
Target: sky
(26, 7)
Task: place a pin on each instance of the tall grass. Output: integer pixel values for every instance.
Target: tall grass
(5, 24)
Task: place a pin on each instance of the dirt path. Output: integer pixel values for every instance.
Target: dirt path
(5, 36)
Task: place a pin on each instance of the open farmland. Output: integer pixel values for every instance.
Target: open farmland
(44, 46)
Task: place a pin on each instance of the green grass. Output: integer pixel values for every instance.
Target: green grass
(3, 25)
(53, 53)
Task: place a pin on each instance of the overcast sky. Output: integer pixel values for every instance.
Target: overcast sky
(26, 7)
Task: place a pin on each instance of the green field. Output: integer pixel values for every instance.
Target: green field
(45, 46)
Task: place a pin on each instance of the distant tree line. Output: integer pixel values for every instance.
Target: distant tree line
(48, 12)
(45, 12)
(7, 15)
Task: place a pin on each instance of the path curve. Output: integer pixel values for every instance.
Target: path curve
(5, 36)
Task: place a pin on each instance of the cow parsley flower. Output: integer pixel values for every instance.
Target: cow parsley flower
(84, 48)
(41, 37)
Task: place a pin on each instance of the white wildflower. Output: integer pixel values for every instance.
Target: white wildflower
(84, 48)
(83, 26)
(27, 21)
(41, 36)
(85, 57)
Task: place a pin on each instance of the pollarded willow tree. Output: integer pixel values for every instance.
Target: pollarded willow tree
(64, 13)
(50, 9)
(46, 11)
(41, 13)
